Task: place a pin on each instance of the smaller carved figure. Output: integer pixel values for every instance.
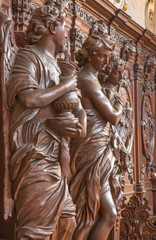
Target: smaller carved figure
(111, 87)
(128, 51)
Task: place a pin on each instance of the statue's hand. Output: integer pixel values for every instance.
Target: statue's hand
(74, 132)
(81, 129)
(70, 83)
(70, 132)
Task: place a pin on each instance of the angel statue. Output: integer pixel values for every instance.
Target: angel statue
(39, 163)
(93, 157)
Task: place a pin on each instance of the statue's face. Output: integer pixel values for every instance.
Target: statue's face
(100, 58)
(130, 55)
(59, 38)
(116, 75)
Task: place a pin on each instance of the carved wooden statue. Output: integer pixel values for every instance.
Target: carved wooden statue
(112, 81)
(40, 162)
(93, 157)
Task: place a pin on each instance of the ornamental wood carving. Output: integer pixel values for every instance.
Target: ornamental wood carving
(76, 39)
(68, 127)
(148, 120)
(136, 222)
(7, 56)
(148, 132)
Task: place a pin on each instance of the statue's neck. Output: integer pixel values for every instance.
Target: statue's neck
(47, 47)
(92, 71)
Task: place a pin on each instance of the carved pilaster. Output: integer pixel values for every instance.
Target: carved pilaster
(76, 39)
(138, 71)
(138, 76)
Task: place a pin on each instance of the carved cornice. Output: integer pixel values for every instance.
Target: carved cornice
(122, 22)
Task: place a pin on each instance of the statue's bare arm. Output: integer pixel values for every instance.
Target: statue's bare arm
(42, 97)
(101, 102)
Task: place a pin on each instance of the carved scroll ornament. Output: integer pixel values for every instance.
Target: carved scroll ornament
(136, 222)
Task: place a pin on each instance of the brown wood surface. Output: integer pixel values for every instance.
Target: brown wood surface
(139, 94)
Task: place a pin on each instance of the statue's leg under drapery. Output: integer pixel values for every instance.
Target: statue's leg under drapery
(106, 220)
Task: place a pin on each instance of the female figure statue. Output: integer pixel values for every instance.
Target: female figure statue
(92, 157)
(40, 190)
(111, 80)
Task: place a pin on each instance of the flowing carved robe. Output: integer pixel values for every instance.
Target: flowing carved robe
(92, 163)
(40, 192)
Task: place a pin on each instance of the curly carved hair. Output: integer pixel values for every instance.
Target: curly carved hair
(45, 19)
(91, 45)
